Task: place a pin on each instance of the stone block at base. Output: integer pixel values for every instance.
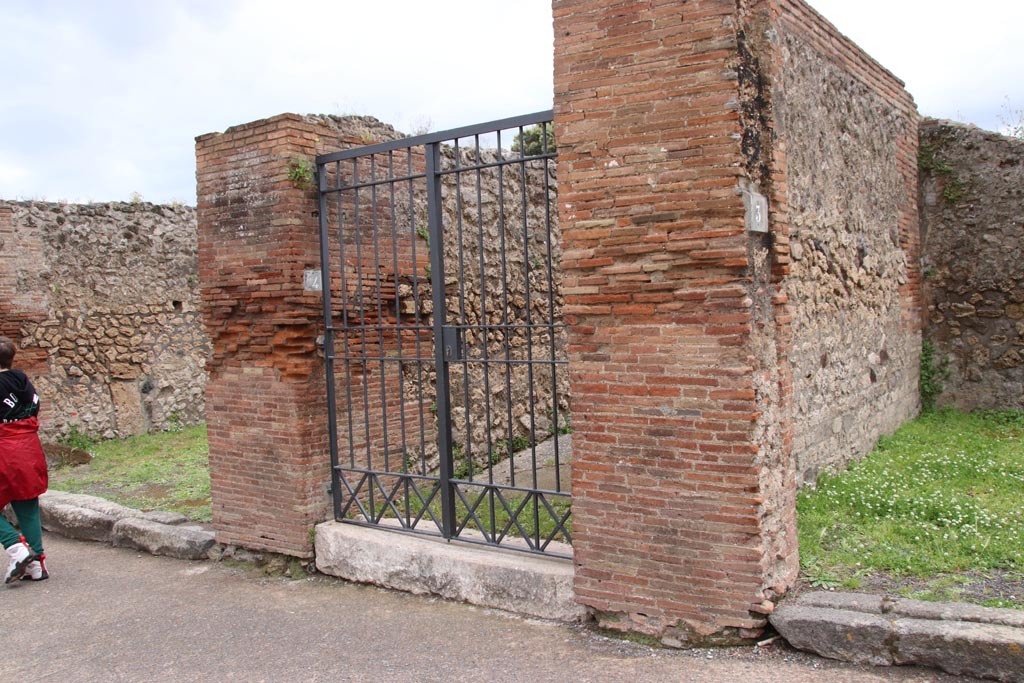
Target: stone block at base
(507, 580)
(184, 543)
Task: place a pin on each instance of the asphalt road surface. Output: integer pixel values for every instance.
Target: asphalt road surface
(111, 614)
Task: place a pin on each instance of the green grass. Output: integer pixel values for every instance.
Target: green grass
(942, 496)
(166, 471)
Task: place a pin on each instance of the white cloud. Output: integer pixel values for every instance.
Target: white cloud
(105, 98)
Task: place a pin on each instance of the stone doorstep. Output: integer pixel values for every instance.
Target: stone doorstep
(488, 577)
(872, 629)
(96, 519)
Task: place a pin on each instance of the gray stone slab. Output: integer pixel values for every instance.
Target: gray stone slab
(76, 522)
(165, 517)
(958, 611)
(980, 650)
(506, 580)
(835, 633)
(94, 503)
(162, 539)
(858, 602)
(957, 638)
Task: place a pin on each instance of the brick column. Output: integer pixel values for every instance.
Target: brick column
(683, 499)
(265, 400)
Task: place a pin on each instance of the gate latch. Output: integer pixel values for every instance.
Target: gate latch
(451, 338)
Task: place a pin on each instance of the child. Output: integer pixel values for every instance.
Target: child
(23, 475)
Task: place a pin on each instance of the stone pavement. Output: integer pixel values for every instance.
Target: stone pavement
(882, 630)
(119, 614)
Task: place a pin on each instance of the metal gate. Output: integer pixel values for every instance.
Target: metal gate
(444, 341)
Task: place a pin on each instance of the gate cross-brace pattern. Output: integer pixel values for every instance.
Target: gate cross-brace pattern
(445, 353)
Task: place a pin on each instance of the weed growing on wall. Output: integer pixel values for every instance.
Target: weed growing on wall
(300, 173)
(933, 374)
(954, 188)
(1013, 121)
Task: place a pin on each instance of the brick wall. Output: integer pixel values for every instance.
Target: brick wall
(265, 398)
(681, 321)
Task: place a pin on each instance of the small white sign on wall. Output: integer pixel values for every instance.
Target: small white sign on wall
(312, 281)
(757, 211)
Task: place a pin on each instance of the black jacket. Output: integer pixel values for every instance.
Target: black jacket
(18, 398)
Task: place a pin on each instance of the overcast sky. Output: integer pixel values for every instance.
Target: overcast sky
(100, 99)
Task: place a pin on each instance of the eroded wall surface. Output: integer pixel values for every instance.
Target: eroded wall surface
(972, 228)
(849, 133)
(104, 305)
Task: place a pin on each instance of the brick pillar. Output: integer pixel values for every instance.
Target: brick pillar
(683, 499)
(265, 400)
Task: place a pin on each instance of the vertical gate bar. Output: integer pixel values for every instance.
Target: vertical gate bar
(398, 308)
(437, 287)
(504, 313)
(380, 311)
(325, 290)
(463, 322)
(485, 331)
(362, 332)
(555, 424)
(524, 198)
(344, 319)
(416, 303)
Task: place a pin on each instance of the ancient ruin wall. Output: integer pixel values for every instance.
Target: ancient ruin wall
(972, 231)
(104, 307)
(847, 132)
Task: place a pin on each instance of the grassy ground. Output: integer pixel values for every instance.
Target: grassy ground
(166, 471)
(935, 512)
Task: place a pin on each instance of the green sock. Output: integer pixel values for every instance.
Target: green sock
(27, 512)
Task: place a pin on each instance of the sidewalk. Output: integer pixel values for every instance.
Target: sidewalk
(115, 614)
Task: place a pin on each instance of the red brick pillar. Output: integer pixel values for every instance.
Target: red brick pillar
(265, 400)
(682, 528)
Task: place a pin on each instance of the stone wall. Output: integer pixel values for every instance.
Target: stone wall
(848, 130)
(972, 229)
(104, 305)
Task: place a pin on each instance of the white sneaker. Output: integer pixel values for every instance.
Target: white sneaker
(36, 570)
(21, 555)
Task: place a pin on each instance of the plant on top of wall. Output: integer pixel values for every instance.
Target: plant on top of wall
(300, 173)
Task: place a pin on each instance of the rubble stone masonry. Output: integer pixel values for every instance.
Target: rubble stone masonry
(103, 301)
(972, 231)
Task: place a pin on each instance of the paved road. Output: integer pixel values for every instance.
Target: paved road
(111, 614)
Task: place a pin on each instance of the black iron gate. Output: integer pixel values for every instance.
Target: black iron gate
(445, 347)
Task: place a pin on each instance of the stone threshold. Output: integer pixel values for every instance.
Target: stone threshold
(518, 582)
